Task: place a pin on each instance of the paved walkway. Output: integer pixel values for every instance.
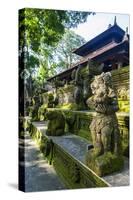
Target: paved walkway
(39, 175)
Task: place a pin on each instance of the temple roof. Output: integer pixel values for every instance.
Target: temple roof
(112, 33)
(100, 55)
(113, 46)
(112, 43)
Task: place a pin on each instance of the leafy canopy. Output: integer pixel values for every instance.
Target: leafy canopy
(41, 31)
(56, 59)
(46, 26)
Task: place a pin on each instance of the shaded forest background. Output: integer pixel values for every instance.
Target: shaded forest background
(46, 42)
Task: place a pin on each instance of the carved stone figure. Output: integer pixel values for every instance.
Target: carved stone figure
(52, 101)
(82, 81)
(56, 123)
(123, 93)
(70, 119)
(104, 127)
(78, 93)
(81, 92)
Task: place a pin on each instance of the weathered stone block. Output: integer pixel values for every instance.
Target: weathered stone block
(56, 123)
(104, 164)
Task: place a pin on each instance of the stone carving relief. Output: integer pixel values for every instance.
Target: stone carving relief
(123, 93)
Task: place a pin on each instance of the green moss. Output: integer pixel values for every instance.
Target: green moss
(24, 125)
(72, 106)
(68, 106)
(73, 174)
(124, 105)
(125, 149)
(105, 164)
(67, 88)
(65, 170)
(56, 123)
(121, 70)
(41, 112)
(85, 134)
(109, 163)
(64, 174)
(42, 142)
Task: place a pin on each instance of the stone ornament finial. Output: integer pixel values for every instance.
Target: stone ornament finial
(115, 22)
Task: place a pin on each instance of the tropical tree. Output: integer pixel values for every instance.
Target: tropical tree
(40, 31)
(64, 56)
(38, 26)
(55, 59)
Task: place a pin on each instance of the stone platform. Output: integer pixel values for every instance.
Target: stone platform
(68, 159)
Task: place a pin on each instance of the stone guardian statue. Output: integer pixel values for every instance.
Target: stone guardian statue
(105, 157)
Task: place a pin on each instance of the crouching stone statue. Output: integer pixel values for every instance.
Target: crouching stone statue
(105, 157)
(56, 123)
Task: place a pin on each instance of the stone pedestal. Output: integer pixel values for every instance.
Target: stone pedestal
(105, 164)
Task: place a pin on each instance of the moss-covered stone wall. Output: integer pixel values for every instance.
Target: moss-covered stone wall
(121, 84)
(65, 95)
(73, 173)
(78, 122)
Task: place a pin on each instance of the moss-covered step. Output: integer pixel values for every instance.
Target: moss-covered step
(67, 154)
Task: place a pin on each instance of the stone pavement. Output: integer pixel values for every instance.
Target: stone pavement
(38, 174)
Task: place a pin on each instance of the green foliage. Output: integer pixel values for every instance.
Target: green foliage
(55, 59)
(46, 26)
(40, 31)
(65, 57)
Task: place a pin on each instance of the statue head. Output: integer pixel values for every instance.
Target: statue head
(103, 83)
(104, 97)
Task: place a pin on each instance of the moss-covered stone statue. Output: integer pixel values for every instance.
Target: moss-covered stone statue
(70, 119)
(105, 157)
(82, 91)
(82, 78)
(56, 123)
(34, 109)
(52, 101)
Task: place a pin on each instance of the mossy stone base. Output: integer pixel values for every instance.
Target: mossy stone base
(104, 164)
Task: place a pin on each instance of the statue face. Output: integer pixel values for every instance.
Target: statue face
(102, 84)
(97, 84)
